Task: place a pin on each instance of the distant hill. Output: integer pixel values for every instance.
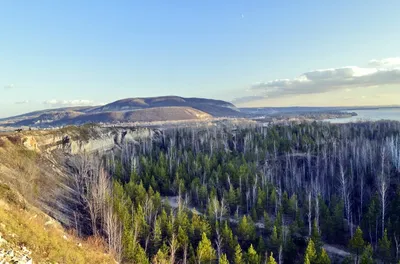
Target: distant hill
(166, 108)
(216, 108)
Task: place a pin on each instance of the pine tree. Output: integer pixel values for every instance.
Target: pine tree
(275, 241)
(323, 258)
(307, 260)
(311, 253)
(157, 235)
(278, 222)
(228, 240)
(246, 229)
(315, 236)
(238, 255)
(162, 256)
(384, 248)
(140, 255)
(271, 259)
(357, 243)
(367, 255)
(205, 251)
(224, 259)
(252, 256)
(260, 244)
(183, 238)
(267, 223)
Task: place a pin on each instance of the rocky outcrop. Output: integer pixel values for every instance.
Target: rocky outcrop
(77, 140)
(43, 155)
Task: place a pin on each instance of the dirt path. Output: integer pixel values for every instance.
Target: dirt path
(330, 249)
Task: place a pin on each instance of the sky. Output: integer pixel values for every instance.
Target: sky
(253, 53)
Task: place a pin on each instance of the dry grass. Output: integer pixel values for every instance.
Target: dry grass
(17, 164)
(48, 242)
(22, 224)
(10, 197)
(2, 143)
(15, 139)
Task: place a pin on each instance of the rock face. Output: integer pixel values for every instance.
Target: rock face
(108, 140)
(82, 140)
(30, 143)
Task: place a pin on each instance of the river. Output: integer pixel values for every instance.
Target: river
(370, 115)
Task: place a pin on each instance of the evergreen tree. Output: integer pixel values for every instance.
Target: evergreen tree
(205, 251)
(228, 240)
(311, 253)
(157, 235)
(246, 230)
(316, 237)
(271, 259)
(337, 221)
(183, 238)
(238, 255)
(372, 214)
(325, 221)
(252, 256)
(385, 248)
(267, 223)
(224, 259)
(323, 258)
(357, 243)
(274, 240)
(289, 249)
(162, 256)
(278, 223)
(140, 255)
(307, 260)
(367, 255)
(260, 244)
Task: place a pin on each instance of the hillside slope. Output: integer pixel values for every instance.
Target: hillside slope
(36, 196)
(215, 108)
(27, 235)
(167, 108)
(140, 115)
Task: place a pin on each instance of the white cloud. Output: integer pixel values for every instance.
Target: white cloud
(246, 99)
(389, 62)
(325, 80)
(55, 102)
(22, 102)
(9, 86)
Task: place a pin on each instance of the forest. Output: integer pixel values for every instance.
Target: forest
(296, 193)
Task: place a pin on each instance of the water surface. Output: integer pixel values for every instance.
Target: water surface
(370, 115)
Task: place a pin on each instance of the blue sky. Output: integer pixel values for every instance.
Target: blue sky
(59, 53)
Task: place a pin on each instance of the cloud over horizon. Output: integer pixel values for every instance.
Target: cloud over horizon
(80, 102)
(23, 102)
(9, 86)
(378, 73)
(246, 99)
